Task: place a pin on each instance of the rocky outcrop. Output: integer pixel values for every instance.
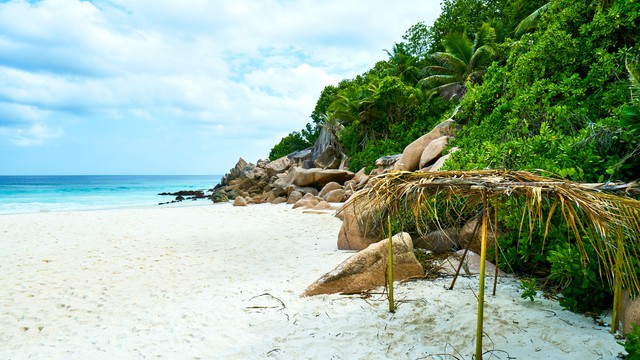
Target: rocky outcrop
(278, 166)
(219, 196)
(319, 177)
(470, 265)
(307, 201)
(327, 151)
(433, 151)
(366, 270)
(630, 313)
(410, 158)
(385, 163)
(239, 201)
(471, 236)
(438, 241)
(329, 187)
(337, 195)
(358, 231)
(280, 181)
(289, 178)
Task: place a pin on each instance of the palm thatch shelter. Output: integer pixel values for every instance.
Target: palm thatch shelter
(605, 216)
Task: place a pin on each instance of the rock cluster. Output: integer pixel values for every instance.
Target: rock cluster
(316, 178)
(183, 195)
(286, 180)
(423, 154)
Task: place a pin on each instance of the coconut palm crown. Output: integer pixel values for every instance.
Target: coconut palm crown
(463, 61)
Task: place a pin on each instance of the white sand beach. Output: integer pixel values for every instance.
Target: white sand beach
(223, 282)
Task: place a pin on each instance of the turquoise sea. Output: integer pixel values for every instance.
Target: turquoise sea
(28, 194)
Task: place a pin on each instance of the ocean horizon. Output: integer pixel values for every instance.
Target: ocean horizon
(43, 193)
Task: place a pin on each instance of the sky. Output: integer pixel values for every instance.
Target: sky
(176, 87)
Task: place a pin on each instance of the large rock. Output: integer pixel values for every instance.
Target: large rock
(327, 152)
(439, 163)
(410, 158)
(438, 241)
(239, 201)
(294, 197)
(337, 195)
(279, 200)
(386, 162)
(278, 166)
(219, 196)
(358, 230)
(630, 313)
(329, 158)
(474, 240)
(323, 205)
(308, 201)
(366, 270)
(316, 178)
(319, 177)
(235, 172)
(433, 151)
(329, 187)
(470, 265)
(299, 157)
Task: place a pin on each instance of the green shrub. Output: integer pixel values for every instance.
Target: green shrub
(632, 344)
(529, 288)
(581, 287)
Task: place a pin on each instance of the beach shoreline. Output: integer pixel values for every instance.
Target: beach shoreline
(225, 282)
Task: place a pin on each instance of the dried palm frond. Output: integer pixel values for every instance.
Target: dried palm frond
(603, 215)
(596, 213)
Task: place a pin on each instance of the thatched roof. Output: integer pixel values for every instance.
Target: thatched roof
(605, 215)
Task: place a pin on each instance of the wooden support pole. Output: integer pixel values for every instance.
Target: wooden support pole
(617, 290)
(392, 307)
(483, 256)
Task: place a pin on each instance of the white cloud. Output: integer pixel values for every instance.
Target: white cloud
(229, 67)
(34, 135)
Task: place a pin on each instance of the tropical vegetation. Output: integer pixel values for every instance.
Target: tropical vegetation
(544, 86)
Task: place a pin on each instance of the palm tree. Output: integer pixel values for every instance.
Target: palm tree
(354, 107)
(402, 64)
(351, 104)
(463, 61)
(592, 212)
(530, 21)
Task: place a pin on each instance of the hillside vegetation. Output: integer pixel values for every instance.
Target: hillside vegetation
(542, 85)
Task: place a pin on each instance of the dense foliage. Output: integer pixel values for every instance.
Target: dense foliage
(632, 345)
(560, 95)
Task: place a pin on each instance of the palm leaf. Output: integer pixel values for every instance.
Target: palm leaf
(434, 81)
(438, 70)
(530, 21)
(459, 46)
(481, 58)
(450, 61)
(486, 36)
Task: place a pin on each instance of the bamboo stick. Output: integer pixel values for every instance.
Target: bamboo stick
(617, 291)
(483, 255)
(392, 307)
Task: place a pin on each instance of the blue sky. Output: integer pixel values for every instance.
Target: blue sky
(176, 87)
